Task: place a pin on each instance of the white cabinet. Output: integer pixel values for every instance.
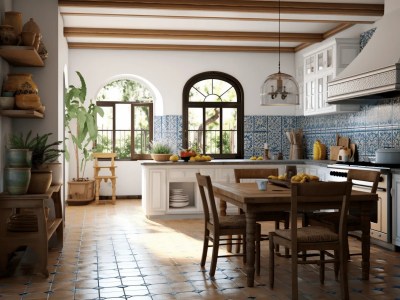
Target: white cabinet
(320, 67)
(164, 184)
(396, 209)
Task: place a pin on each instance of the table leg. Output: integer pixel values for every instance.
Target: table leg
(365, 243)
(250, 247)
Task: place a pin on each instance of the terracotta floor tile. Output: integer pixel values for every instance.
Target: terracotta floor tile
(106, 258)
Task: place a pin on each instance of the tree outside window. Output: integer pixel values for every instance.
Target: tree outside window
(127, 125)
(213, 115)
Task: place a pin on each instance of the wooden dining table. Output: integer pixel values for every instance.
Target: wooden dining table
(278, 198)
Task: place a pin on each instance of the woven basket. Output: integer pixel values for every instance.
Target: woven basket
(160, 157)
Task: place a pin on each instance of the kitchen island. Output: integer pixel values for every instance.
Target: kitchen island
(169, 189)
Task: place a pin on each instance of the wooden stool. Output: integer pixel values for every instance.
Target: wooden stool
(99, 177)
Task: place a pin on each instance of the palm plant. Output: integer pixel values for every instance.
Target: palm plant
(85, 131)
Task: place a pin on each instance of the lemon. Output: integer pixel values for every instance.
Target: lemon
(253, 158)
(174, 158)
(260, 158)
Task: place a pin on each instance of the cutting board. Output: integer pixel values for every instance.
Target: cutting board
(334, 152)
(344, 142)
(284, 183)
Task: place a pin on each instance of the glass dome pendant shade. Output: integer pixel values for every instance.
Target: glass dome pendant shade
(279, 88)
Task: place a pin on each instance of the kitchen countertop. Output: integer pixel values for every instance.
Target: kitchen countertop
(321, 163)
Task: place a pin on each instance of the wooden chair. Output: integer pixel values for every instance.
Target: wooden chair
(216, 227)
(317, 238)
(99, 176)
(244, 174)
(331, 220)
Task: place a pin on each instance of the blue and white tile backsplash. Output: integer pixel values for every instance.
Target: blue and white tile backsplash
(373, 127)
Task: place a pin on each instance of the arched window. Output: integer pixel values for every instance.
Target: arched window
(127, 125)
(213, 115)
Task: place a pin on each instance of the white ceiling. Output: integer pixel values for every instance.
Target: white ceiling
(210, 25)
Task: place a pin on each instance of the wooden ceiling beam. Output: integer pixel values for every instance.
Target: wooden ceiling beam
(237, 6)
(171, 47)
(174, 17)
(192, 34)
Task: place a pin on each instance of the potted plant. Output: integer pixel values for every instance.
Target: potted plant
(46, 170)
(40, 152)
(80, 122)
(160, 150)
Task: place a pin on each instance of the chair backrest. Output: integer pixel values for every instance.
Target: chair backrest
(365, 175)
(327, 193)
(254, 173)
(106, 156)
(207, 198)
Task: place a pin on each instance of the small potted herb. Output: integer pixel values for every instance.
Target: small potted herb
(160, 150)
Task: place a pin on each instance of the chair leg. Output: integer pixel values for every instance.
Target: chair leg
(229, 244)
(258, 249)
(277, 227)
(294, 275)
(239, 240)
(271, 266)
(322, 267)
(214, 256)
(336, 265)
(205, 247)
(286, 225)
(344, 284)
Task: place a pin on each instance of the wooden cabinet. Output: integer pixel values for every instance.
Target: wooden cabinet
(320, 67)
(396, 209)
(24, 222)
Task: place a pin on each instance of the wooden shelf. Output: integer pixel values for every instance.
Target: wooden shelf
(22, 113)
(25, 56)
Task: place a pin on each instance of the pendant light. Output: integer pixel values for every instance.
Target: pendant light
(279, 88)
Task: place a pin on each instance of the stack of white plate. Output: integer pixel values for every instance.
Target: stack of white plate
(178, 198)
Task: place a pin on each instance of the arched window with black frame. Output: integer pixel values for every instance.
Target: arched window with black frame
(213, 115)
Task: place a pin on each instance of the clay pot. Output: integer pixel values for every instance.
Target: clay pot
(31, 26)
(20, 84)
(14, 19)
(28, 38)
(29, 101)
(8, 35)
(57, 171)
(40, 181)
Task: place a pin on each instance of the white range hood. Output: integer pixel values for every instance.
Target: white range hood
(375, 73)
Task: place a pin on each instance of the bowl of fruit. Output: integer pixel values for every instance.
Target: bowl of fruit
(186, 154)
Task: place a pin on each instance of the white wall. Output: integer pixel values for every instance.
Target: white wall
(45, 14)
(168, 71)
(5, 123)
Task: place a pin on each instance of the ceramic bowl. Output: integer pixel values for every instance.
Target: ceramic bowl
(7, 102)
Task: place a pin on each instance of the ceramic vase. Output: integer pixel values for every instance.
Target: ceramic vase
(14, 19)
(18, 158)
(7, 35)
(17, 180)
